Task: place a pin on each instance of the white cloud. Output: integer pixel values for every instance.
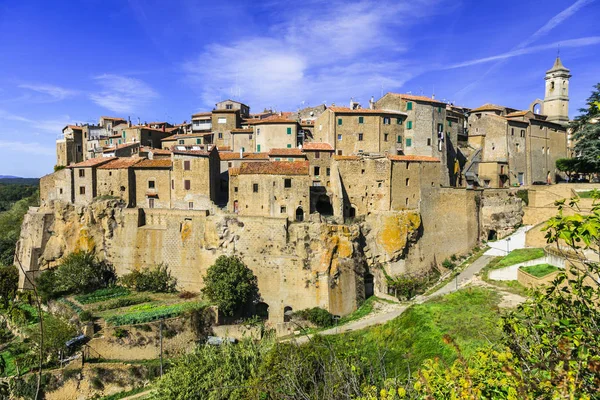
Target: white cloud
(28, 148)
(122, 94)
(320, 48)
(53, 93)
(581, 42)
(54, 125)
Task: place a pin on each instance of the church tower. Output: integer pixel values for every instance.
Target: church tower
(556, 100)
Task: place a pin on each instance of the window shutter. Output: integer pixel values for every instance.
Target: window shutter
(361, 120)
(258, 148)
(409, 105)
(289, 131)
(289, 146)
(339, 121)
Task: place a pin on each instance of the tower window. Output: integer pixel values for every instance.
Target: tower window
(552, 85)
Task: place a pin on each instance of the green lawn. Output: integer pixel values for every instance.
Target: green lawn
(468, 316)
(540, 270)
(516, 257)
(586, 194)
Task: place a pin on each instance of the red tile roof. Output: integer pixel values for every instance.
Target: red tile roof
(346, 110)
(235, 155)
(119, 147)
(156, 151)
(113, 118)
(242, 130)
(517, 114)
(202, 114)
(414, 158)
(317, 146)
(256, 156)
(120, 163)
(234, 171)
(274, 168)
(339, 158)
(155, 163)
(417, 98)
(183, 136)
(74, 127)
(285, 152)
(224, 148)
(199, 153)
(92, 162)
(489, 107)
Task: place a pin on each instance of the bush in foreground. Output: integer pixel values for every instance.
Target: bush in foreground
(150, 279)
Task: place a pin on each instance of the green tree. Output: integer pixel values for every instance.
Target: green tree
(56, 334)
(79, 272)
(231, 285)
(586, 131)
(153, 279)
(567, 165)
(9, 280)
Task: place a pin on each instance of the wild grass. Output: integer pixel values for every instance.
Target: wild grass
(102, 295)
(540, 270)
(152, 313)
(469, 316)
(516, 257)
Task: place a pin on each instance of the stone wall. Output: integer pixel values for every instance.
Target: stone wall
(501, 213)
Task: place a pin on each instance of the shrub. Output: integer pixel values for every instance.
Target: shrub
(153, 314)
(9, 280)
(317, 316)
(231, 285)
(86, 316)
(408, 286)
(153, 279)
(123, 302)
(102, 295)
(187, 295)
(523, 194)
(79, 272)
(120, 333)
(449, 264)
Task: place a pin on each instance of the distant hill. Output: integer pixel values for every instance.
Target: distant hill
(17, 180)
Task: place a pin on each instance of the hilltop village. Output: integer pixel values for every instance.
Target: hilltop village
(323, 203)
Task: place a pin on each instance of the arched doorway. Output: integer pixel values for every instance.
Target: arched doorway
(324, 206)
(287, 313)
(492, 235)
(369, 285)
(262, 310)
(299, 214)
(351, 212)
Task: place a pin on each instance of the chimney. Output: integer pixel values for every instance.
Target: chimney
(139, 121)
(372, 103)
(241, 154)
(351, 103)
(164, 126)
(433, 96)
(129, 121)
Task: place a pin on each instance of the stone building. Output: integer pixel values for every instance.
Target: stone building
(556, 99)
(287, 154)
(195, 179)
(122, 150)
(319, 156)
(69, 148)
(202, 122)
(242, 139)
(153, 183)
(270, 189)
(85, 179)
(514, 147)
(425, 128)
(57, 186)
(274, 132)
(230, 160)
(354, 131)
(191, 139)
(226, 116)
(117, 179)
(147, 152)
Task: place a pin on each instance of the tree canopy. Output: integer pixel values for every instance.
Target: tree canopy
(586, 131)
(231, 285)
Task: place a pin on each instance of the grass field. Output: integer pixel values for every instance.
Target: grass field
(540, 270)
(469, 316)
(516, 257)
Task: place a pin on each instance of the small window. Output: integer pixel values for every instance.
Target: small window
(257, 131)
(328, 171)
(317, 154)
(109, 173)
(191, 205)
(386, 120)
(81, 189)
(289, 146)
(385, 137)
(399, 121)
(198, 141)
(151, 184)
(250, 136)
(150, 202)
(283, 210)
(407, 181)
(339, 152)
(408, 142)
(287, 183)
(339, 121)
(255, 187)
(60, 191)
(340, 137)
(360, 136)
(289, 131)
(361, 120)
(229, 164)
(409, 105)
(220, 135)
(181, 141)
(449, 123)
(409, 125)
(235, 189)
(440, 127)
(398, 139)
(229, 106)
(522, 132)
(186, 165)
(512, 131)
(317, 171)
(82, 173)
(439, 110)
(172, 183)
(222, 121)
(187, 184)
(258, 148)
(428, 141)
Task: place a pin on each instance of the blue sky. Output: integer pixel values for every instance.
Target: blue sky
(71, 61)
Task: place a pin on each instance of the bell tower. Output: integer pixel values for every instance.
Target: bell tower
(556, 100)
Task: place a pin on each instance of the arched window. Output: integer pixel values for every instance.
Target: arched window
(299, 214)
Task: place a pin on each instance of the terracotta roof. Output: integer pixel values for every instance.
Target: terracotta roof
(202, 114)
(489, 107)
(120, 163)
(113, 118)
(74, 127)
(156, 163)
(225, 111)
(224, 148)
(416, 98)
(92, 162)
(234, 171)
(274, 168)
(242, 130)
(317, 146)
(147, 127)
(271, 120)
(285, 152)
(339, 158)
(304, 122)
(256, 156)
(200, 153)
(517, 114)
(157, 123)
(119, 146)
(156, 151)
(414, 158)
(346, 110)
(174, 128)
